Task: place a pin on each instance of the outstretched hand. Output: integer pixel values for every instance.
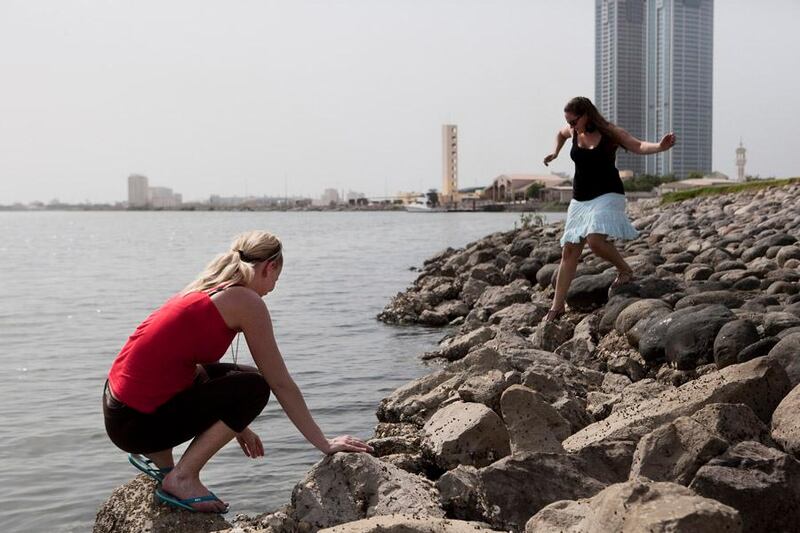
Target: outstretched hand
(549, 158)
(346, 443)
(250, 443)
(667, 141)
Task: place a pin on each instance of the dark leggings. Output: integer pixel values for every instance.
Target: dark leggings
(233, 394)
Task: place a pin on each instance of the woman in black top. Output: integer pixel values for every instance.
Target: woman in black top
(597, 210)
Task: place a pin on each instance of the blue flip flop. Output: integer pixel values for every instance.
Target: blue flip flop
(148, 467)
(186, 504)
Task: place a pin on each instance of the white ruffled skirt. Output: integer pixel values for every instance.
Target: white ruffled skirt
(604, 214)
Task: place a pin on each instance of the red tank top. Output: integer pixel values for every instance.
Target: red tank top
(159, 359)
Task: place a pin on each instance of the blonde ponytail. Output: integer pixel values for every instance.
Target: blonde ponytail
(235, 267)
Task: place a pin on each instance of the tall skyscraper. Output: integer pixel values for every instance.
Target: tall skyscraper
(653, 75)
(138, 191)
(449, 162)
(619, 70)
(680, 52)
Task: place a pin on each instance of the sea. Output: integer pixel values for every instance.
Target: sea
(74, 285)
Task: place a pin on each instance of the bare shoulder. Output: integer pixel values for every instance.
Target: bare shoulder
(237, 303)
(565, 132)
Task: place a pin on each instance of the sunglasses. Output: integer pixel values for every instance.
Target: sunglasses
(574, 121)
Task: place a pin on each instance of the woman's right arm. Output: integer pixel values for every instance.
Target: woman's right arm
(561, 137)
(255, 323)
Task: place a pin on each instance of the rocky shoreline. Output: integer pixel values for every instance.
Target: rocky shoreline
(667, 404)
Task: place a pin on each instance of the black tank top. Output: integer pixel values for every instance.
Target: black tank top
(595, 170)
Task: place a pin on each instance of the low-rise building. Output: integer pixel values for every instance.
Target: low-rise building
(514, 187)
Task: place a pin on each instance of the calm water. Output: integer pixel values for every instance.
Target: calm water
(75, 285)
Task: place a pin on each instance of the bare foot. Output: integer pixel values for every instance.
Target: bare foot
(553, 314)
(184, 486)
(623, 277)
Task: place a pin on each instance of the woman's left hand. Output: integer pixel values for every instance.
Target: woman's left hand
(667, 141)
(250, 443)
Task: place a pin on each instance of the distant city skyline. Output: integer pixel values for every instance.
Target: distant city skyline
(283, 98)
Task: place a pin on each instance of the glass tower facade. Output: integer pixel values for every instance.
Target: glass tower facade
(654, 74)
(680, 51)
(619, 70)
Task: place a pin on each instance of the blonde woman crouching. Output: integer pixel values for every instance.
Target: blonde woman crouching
(167, 386)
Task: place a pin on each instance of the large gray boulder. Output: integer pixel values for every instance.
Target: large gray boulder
(786, 422)
(733, 422)
(494, 299)
(345, 487)
(507, 493)
(760, 384)
(634, 506)
(465, 433)
(675, 451)
(133, 508)
(533, 424)
(457, 347)
(762, 483)
(636, 312)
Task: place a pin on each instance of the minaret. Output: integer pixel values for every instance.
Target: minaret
(740, 161)
(449, 163)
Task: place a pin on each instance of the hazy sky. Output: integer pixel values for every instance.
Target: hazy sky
(249, 97)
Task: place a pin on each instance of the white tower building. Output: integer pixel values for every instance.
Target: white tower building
(449, 163)
(740, 161)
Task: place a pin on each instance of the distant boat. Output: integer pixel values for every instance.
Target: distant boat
(422, 205)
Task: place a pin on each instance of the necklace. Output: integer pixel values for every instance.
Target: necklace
(235, 351)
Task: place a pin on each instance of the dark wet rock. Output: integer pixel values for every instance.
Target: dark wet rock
(653, 341)
(712, 256)
(749, 283)
(587, 293)
(675, 451)
(786, 332)
(346, 487)
(787, 353)
(774, 323)
(728, 299)
(778, 239)
(638, 505)
(546, 275)
(731, 264)
(732, 338)
(533, 424)
(465, 433)
(634, 335)
(522, 247)
(529, 268)
(786, 423)
(648, 287)
(690, 338)
(133, 507)
(612, 310)
(757, 349)
(762, 483)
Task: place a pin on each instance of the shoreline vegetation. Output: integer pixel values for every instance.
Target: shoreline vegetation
(669, 403)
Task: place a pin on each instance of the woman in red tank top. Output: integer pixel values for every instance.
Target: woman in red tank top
(167, 386)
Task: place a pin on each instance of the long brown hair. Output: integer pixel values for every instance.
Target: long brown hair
(235, 267)
(580, 105)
